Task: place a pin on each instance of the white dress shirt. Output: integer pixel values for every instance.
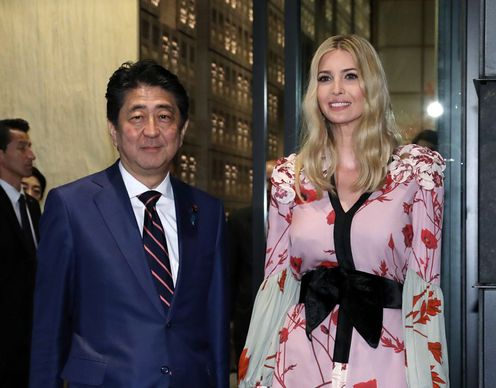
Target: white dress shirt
(166, 210)
(14, 196)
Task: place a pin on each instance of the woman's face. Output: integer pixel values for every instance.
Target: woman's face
(340, 97)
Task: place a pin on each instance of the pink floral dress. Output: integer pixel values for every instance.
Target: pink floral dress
(393, 233)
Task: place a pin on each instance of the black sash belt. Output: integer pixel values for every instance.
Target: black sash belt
(361, 297)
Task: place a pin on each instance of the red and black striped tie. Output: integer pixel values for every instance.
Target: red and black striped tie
(156, 250)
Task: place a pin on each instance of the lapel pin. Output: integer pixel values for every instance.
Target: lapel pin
(194, 214)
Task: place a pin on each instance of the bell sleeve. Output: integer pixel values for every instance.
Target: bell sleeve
(423, 303)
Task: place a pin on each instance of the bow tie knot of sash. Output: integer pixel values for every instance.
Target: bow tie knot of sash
(361, 297)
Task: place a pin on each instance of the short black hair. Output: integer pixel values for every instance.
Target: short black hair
(145, 72)
(41, 178)
(6, 125)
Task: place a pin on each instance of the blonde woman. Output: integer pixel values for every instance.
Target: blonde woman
(351, 294)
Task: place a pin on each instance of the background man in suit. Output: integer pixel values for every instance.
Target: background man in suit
(240, 253)
(105, 314)
(18, 234)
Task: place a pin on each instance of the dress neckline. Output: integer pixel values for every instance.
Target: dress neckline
(337, 205)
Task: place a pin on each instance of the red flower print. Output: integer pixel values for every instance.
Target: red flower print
(279, 194)
(428, 239)
(433, 306)
(438, 179)
(398, 346)
(328, 264)
(407, 207)
(308, 196)
(408, 235)
(324, 329)
(334, 317)
(283, 335)
(391, 242)
(243, 365)
(426, 159)
(296, 263)
(436, 380)
(383, 268)
(427, 310)
(435, 349)
(388, 180)
(282, 280)
(416, 298)
(331, 217)
(366, 384)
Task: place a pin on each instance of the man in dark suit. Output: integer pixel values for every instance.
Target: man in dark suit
(240, 253)
(116, 304)
(19, 216)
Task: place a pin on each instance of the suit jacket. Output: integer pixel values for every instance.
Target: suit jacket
(240, 242)
(98, 320)
(17, 272)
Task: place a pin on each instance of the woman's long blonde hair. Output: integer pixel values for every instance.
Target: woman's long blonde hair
(376, 136)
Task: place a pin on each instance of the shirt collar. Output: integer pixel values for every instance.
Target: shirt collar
(11, 191)
(134, 187)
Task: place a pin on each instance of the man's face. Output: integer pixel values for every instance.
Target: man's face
(148, 134)
(16, 161)
(32, 186)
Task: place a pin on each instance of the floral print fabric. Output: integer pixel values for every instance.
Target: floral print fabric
(396, 234)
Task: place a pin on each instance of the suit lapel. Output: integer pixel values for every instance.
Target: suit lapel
(187, 214)
(115, 207)
(7, 209)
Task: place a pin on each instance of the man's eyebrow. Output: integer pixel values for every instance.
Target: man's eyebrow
(23, 142)
(168, 107)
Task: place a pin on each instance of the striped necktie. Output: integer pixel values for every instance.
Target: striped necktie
(155, 246)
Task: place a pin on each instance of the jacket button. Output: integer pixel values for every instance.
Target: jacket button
(168, 325)
(165, 370)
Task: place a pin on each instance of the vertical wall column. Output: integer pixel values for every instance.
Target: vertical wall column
(449, 85)
(486, 91)
(292, 74)
(486, 284)
(259, 198)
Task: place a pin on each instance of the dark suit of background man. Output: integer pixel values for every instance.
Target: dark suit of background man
(98, 317)
(240, 253)
(17, 253)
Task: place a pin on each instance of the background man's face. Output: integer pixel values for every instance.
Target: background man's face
(32, 186)
(16, 161)
(148, 134)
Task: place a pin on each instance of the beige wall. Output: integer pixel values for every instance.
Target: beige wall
(56, 58)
